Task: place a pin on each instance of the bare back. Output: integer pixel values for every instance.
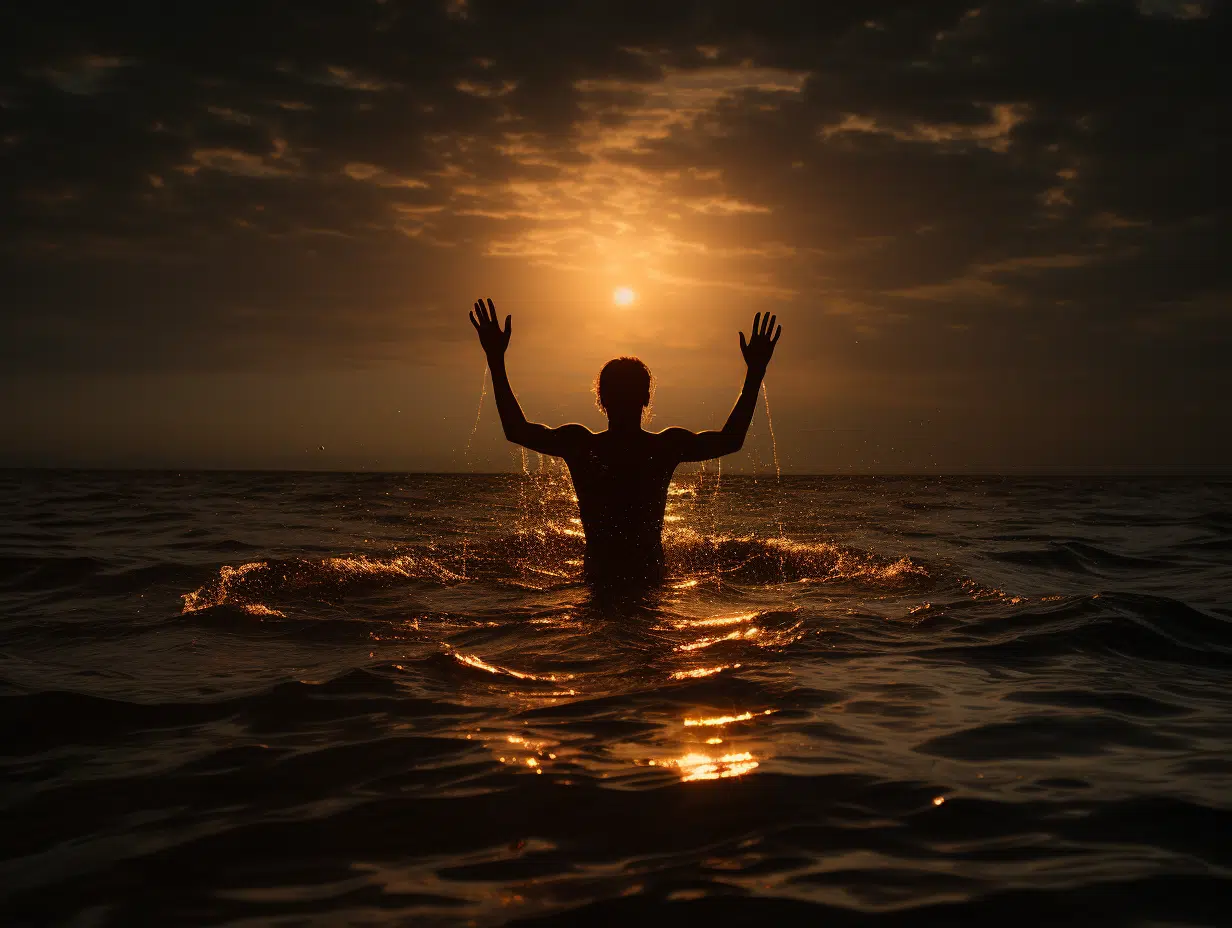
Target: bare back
(621, 480)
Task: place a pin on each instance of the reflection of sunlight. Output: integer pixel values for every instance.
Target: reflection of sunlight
(717, 620)
(471, 660)
(704, 767)
(702, 671)
(535, 753)
(258, 609)
(707, 642)
(698, 766)
(724, 719)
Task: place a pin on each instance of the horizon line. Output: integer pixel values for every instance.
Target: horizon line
(1105, 470)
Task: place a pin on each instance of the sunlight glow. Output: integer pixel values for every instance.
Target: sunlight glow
(703, 767)
(707, 642)
(623, 296)
(724, 719)
(470, 660)
(701, 672)
(717, 620)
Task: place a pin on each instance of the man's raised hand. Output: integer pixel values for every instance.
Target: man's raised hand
(493, 340)
(760, 346)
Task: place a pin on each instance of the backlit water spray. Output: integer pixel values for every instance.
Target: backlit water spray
(778, 473)
(483, 391)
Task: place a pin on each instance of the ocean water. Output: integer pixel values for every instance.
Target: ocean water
(319, 699)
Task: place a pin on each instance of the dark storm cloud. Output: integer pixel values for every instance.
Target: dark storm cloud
(209, 181)
(1057, 147)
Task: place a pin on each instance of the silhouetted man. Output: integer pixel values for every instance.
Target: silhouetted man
(621, 475)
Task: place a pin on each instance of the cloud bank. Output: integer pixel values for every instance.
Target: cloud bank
(973, 188)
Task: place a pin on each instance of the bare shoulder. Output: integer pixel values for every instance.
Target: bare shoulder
(674, 435)
(676, 440)
(573, 436)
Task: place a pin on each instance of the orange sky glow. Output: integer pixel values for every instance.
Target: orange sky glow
(262, 264)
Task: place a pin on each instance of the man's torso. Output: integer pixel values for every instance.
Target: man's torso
(621, 483)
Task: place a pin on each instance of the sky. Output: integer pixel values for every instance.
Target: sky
(247, 235)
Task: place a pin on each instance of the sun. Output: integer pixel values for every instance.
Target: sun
(623, 296)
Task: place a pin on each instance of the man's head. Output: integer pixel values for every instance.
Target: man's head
(623, 388)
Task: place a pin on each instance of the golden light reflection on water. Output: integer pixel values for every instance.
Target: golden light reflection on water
(698, 672)
(707, 642)
(260, 610)
(725, 719)
(520, 751)
(470, 660)
(689, 748)
(695, 764)
(717, 620)
(704, 767)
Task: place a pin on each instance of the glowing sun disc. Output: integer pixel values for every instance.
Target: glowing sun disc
(623, 296)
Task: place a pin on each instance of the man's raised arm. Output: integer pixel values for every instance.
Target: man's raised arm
(757, 351)
(517, 429)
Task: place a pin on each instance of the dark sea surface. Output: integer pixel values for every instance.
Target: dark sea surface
(318, 699)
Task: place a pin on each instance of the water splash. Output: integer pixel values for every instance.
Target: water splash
(778, 472)
(774, 445)
(706, 496)
(483, 391)
(549, 557)
(245, 585)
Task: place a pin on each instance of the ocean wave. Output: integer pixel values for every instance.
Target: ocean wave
(776, 559)
(41, 721)
(243, 585)
(552, 556)
(1131, 625)
(1038, 737)
(1076, 556)
(46, 573)
(864, 716)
